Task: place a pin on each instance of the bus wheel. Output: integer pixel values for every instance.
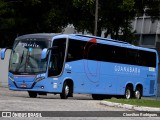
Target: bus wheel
(128, 93)
(32, 94)
(65, 91)
(138, 93)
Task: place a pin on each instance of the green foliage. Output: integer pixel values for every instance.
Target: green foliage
(7, 22)
(127, 5)
(30, 16)
(115, 16)
(35, 2)
(2, 7)
(78, 3)
(82, 16)
(153, 8)
(5, 19)
(141, 102)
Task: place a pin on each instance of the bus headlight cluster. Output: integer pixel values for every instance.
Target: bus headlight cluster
(11, 78)
(39, 79)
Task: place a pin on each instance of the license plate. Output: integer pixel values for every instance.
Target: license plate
(23, 85)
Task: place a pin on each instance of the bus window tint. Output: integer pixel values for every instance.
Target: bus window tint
(57, 57)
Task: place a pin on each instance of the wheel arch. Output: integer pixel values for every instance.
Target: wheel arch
(130, 85)
(129, 90)
(70, 82)
(139, 85)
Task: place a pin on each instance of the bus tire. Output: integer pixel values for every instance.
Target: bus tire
(138, 93)
(65, 91)
(32, 94)
(128, 93)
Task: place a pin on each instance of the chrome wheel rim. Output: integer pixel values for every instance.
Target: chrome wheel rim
(137, 94)
(128, 94)
(67, 90)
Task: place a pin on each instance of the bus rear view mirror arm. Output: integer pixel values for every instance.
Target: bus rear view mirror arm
(3, 51)
(46, 50)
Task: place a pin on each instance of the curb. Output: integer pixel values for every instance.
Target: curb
(130, 107)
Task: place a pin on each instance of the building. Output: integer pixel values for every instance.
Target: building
(147, 31)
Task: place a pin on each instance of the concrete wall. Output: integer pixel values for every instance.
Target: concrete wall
(4, 70)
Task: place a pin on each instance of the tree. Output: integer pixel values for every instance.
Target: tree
(31, 16)
(148, 7)
(82, 15)
(153, 8)
(113, 16)
(6, 22)
(40, 16)
(19, 17)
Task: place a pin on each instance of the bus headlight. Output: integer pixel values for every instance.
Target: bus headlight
(11, 78)
(39, 79)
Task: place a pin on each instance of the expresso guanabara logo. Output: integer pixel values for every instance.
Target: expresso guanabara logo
(126, 69)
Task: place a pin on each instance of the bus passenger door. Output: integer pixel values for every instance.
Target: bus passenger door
(54, 65)
(57, 57)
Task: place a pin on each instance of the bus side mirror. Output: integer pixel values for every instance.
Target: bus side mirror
(3, 51)
(44, 53)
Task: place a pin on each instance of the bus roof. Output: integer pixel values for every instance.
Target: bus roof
(38, 35)
(51, 36)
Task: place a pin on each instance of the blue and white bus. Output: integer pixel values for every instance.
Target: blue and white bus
(71, 63)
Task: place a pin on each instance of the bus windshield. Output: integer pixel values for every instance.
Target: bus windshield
(26, 56)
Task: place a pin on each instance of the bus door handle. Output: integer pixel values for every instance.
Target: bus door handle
(110, 85)
(68, 71)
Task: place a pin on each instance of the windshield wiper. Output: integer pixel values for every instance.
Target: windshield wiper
(22, 57)
(27, 59)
